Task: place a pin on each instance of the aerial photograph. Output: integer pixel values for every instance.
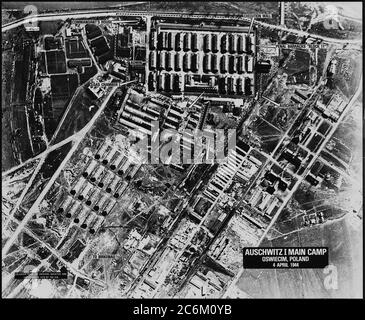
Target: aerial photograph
(182, 150)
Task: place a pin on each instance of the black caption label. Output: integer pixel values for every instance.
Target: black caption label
(285, 257)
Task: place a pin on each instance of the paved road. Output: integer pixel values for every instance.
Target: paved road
(307, 34)
(201, 223)
(35, 207)
(77, 138)
(41, 155)
(115, 13)
(231, 287)
(51, 147)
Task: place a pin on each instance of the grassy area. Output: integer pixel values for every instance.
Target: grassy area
(233, 7)
(343, 237)
(7, 158)
(78, 116)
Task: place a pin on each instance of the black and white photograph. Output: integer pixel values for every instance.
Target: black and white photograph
(182, 150)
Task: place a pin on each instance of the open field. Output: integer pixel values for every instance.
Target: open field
(343, 237)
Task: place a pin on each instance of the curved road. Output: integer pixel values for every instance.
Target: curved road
(116, 13)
